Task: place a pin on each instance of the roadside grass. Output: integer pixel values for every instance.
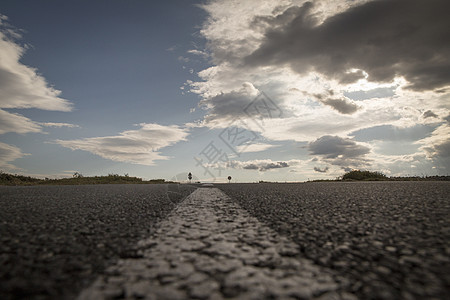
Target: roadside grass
(77, 179)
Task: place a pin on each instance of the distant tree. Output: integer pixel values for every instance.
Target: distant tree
(77, 175)
(157, 180)
(190, 176)
(229, 179)
(363, 175)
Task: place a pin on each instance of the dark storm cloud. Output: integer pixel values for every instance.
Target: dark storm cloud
(266, 166)
(277, 165)
(443, 150)
(250, 167)
(384, 38)
(339, 151)
(227, 105)
(324, 170)
(333, 146)
(342, 105)
(429, 114)
(447, 118)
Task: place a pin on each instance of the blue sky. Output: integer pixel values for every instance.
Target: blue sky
(259, 90)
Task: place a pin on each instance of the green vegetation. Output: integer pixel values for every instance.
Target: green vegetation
(9, 179)
(376, 176)
(364, 175)
(77, 179)
(358, 175)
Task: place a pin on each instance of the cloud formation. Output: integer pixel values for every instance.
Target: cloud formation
(254, 147)
(226, 107)
(381, 66)
(139, 146)
(12, 122)
(341, 104)
(59, 125)
(339, 151)
(22, 86)
(393, 133)
(324, 170)
(259, 165)
(8, 154)
(268, 166)
(437, 145)
(378, 40)
(429, 114)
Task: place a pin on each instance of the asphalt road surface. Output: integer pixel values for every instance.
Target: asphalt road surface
(379, 240)
(210, 248)
(390, 239)
(54, 240)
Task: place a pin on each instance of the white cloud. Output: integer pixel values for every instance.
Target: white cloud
(11, 122)
(8, 154)
(256, 147)
(198, 52)
(340, 151)
(235, 29)
(22, 86)
(139, 146)
(438, 144)
(261, 165)
(59, 125)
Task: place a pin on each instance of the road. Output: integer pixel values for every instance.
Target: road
(210, 248)
(379, 240)
(390, 239)
(54, 240)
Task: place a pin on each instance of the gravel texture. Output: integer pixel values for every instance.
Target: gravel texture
(391, 240)
(210, 248)
(56, 239)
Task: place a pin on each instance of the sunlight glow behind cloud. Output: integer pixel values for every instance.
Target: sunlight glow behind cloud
(312, 58)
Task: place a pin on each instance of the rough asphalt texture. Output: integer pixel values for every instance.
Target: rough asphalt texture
(391, 240)
(210, 248)
(54, 240)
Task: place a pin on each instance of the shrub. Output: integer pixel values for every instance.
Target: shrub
(363, 175)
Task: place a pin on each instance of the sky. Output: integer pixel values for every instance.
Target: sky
(286, 90)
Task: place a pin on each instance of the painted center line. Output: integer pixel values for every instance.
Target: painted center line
(210, 248)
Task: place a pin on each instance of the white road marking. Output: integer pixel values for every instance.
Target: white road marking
(210, 248)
